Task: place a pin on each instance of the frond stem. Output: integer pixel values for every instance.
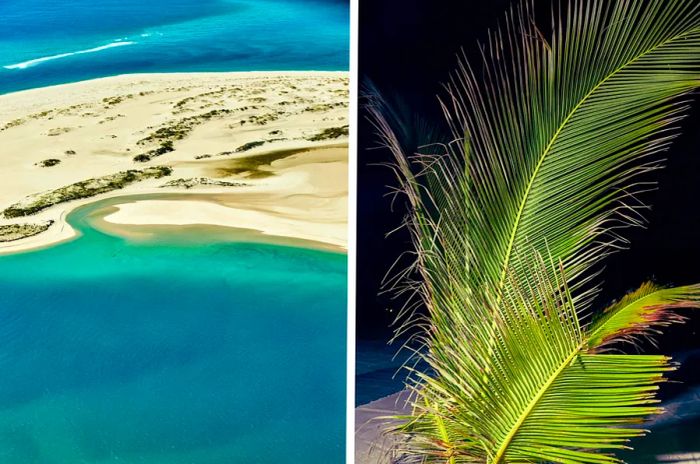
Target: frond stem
(500, 454)
(521, 208)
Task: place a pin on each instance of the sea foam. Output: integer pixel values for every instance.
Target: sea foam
(29, 63)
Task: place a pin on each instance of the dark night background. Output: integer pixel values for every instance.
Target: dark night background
(407, 50)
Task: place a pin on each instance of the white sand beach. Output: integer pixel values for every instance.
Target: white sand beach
(262, 151)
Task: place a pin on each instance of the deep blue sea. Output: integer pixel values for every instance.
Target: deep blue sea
(168, 351)
(46, 42)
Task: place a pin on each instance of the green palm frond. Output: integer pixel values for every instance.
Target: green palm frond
(639, 312)
(552, 143)
(537, 395)
(552, 139)
(560, 130)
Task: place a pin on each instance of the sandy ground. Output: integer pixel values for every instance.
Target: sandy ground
(267, 151)
(372, 444)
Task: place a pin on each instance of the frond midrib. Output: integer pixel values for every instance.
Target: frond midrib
(525, 414)
(500, 454)
(594, 333)
(526, 194)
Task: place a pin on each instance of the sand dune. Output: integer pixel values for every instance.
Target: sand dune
(262, 151)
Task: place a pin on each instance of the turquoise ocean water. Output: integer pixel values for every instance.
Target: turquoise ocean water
(46, 42)
(173, 352)
(168, 351)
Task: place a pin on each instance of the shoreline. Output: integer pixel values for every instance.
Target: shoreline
(166, 75)
(141, 230)
(190, 233)
(256, 151)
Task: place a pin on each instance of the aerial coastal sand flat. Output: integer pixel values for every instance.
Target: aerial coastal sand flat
(258, 151)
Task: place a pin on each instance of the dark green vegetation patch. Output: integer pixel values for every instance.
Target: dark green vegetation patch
(83, 189)
(165, 147)
(47, 163)
(249, 146)
(196, 181)
(180, 129)
(330, 133)
(12, 232)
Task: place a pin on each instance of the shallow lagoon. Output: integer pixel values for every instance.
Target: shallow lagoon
(168, 351)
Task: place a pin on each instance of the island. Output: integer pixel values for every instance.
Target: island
(262, 151)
